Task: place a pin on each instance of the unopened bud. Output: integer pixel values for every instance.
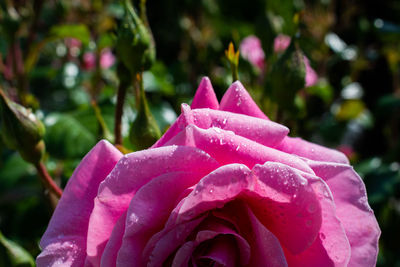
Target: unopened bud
(21, 130)
(135, 45)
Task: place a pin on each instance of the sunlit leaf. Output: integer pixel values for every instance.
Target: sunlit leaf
(18, 256)
(77, 31)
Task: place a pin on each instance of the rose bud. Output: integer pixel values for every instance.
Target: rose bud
(135, 45)
(21, 130)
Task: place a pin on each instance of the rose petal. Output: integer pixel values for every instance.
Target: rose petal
(227, 148)
(205, 96)
(236, 99)
(129, 175)
(286, 204)
(265, 247)
(149, 210)
(210, 229)
(169, 242)
(110, 253)
(221, 251)
(264, 132)
(331, 248)
(282, 200)
(353, 210)
(183, 254)
(69, 223)
(310, 150)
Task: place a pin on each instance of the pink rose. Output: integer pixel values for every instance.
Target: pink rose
(251, 50)
(223, 186)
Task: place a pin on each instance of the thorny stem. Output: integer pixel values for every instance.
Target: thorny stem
(47, 180)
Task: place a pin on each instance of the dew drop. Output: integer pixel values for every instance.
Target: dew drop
(217, 129)
(311, 208)
(322, 236)
(211, 190)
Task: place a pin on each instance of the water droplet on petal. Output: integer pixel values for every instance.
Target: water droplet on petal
(311, 208)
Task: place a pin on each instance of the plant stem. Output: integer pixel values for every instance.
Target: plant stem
(235, 75)
(18, 69)
(122, 88)
(47, 180)
(104, 131)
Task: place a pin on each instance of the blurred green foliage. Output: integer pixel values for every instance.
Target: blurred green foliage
(56, 58)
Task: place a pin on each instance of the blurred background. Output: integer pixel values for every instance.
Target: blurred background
(336, 84)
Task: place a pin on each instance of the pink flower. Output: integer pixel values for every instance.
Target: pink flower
(107, 59)
(281, 43)
(223, 186)
(251, 50)
(89, 61)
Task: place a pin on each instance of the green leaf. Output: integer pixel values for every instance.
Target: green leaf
(18, 256)
(77, 31)
(67, 137)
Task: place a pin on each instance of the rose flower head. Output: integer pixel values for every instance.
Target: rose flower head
(224, 186)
